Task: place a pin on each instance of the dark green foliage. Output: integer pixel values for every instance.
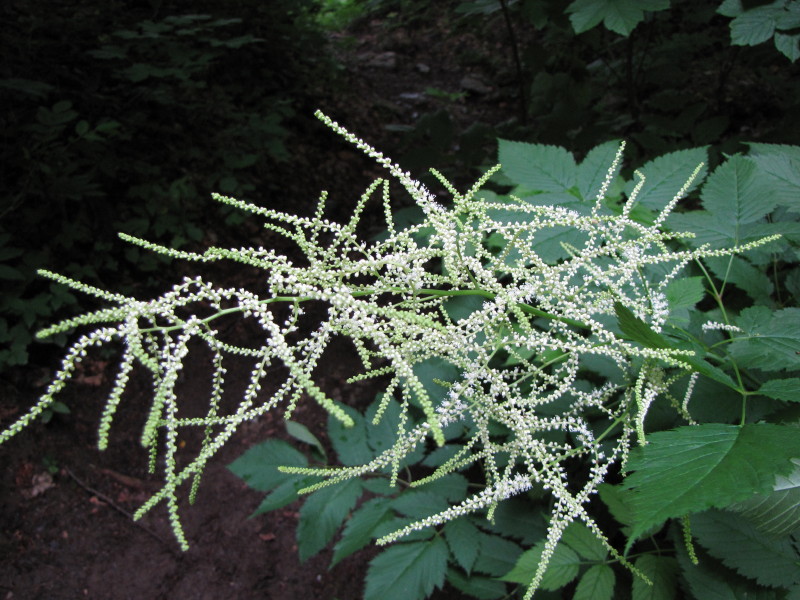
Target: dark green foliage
(125, 119)
(661, 74)
(745, 471)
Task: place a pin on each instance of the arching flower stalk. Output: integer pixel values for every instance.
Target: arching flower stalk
(519, 347)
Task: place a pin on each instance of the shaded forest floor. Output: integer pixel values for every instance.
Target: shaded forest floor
(65, 526)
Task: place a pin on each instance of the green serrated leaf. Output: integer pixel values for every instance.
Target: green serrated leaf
(782, 389)
(719, 233)
(581, 539)
(691, 469)
(439, 456)
(538, 167)
(562, 568)
(740, 546)
(497, 555)
(742, 274)
(322, 514)
(358, 532)
(778, 512)
(258, 467)
(685, 293)
(709, 580)
(596, 584)
(350, 443)
(637, 330)
(407, 571)
(619, 16)
(452, 487)
(662, 571)
(283, 495)
(419, 504)
(665, 175)
(382, 436)
(464, 541)
(517, 519)
(592, 171)
(755, 25)
(476, 586)
(300, 432)
(730, 8)
(734, 193)
(773, 339)
(614, 498)
(788, 45)
(781, 165)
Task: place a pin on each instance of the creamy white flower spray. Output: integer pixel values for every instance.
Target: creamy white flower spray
(391, 298)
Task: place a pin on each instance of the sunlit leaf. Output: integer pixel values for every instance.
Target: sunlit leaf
(536, 166)
(407, 571)
(739, 545)
(691, 469)
(776, 513)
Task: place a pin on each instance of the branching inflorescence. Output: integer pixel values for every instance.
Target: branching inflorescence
(392, 298)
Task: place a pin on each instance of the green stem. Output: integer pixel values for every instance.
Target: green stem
(717, 294)
(370, 292)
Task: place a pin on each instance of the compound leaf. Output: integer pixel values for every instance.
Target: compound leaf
(407, 571)
(691, 469)
(742, 274)
(419, 504)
